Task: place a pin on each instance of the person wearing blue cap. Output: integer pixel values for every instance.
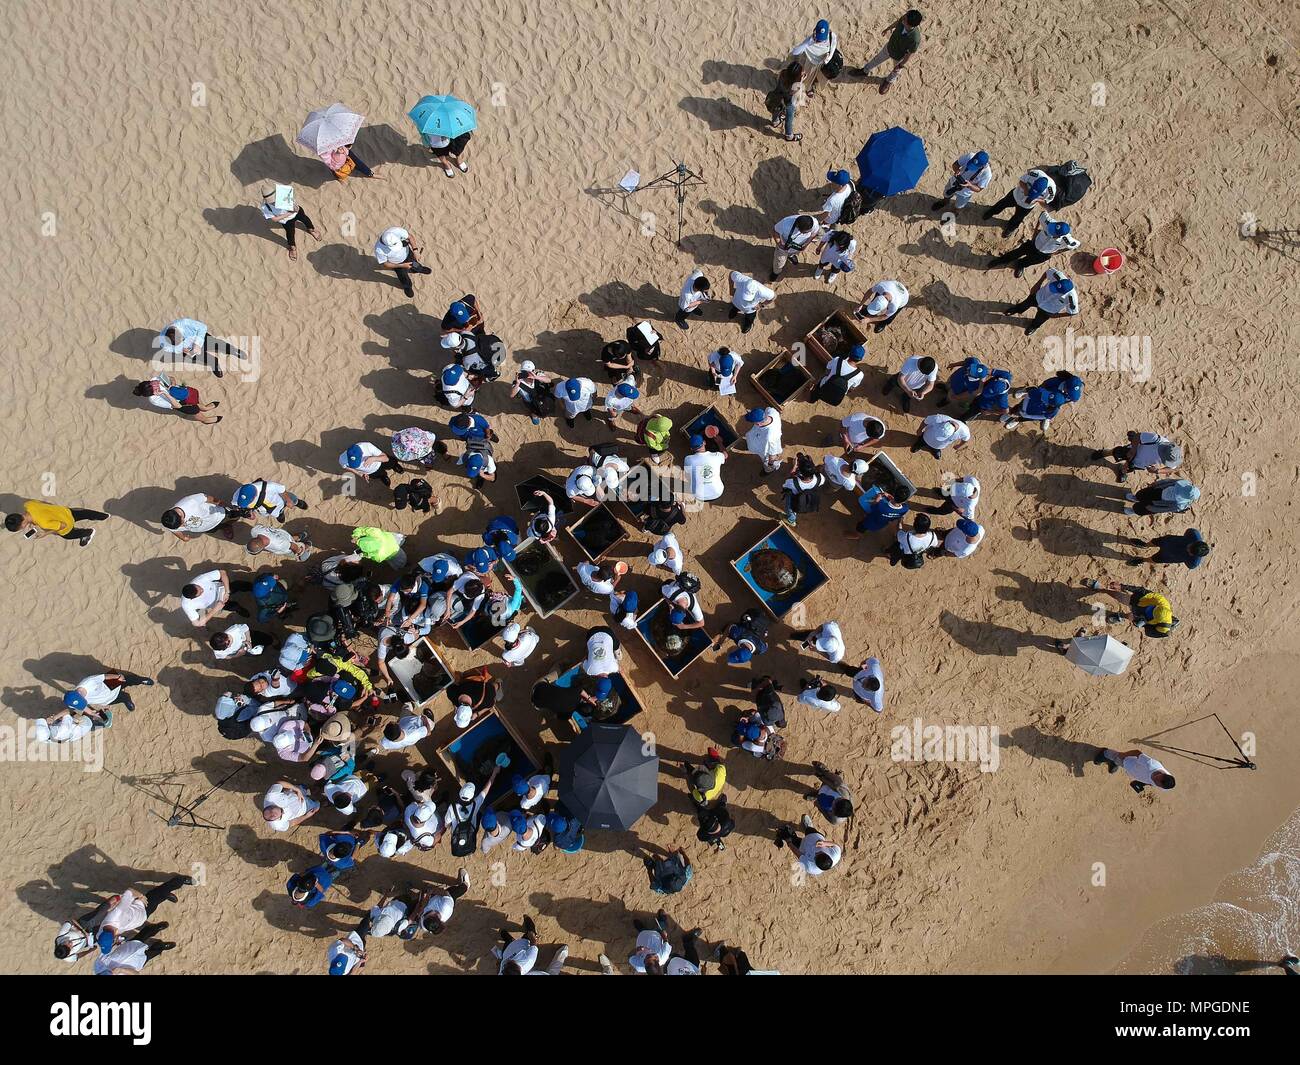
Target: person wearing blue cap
(347, 954)
(967, 378)
(881, 510)
(530, 831)
(844, 194)
(464, 316)
(1051, 237)
(815, 54)
(102, 690)
(971, 173)
(724, 370)
(749, 634)
(903, 42)
(961, 541)
(1053, 296)
(566, 833)
(994, 396)
(694, 295)
(367, 461)
(577, 395)
(1034, 189)
(842, 375)
(763, 436)
(124, 916)
(272, 597)
(455, 388)
(838, 248)
(261, 499)
(533, 789)
(480, 467)
(621, 400)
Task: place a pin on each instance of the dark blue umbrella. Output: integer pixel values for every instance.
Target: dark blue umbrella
(892, 161)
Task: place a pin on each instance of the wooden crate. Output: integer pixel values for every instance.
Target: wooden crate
(494, 729)
(813, 574)
(555, 565)
(413, 674)
(679, 665)
(710, 416)
(853, 333)
(580, 531)
(787, 364)
(632, 701)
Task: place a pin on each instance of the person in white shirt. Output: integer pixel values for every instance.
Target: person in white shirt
(915, 380)
(278, 541)
(528, 830)
(128, 957)
(815, 51)
(68, 727)
(843, 191)
(845, 473)
(819, 695)
(390, 916)
(704, 471)
(869, 684)
(434, 908)
(518, 954)
(842, 376)
(577, 395)
(601, 578)
(724, 367)
(826, 640)
(971, 173)
(456, 389)
(519, 643)
(289, 215)
(285, 806)
(859, 430)
(199, 513)
(603, 652)
(531, 790)
(1053, 296)
(882, 303)
(493, 831)
(192, 342)
(815, 854)
(1034, 189)
(912, 545)
(262, 499)
(693, 297)
(237, 641)
(747, 297)
(621, 400)
(652, 945)
(940, 432)
(396, 250)
(1051, 237)
(346, 955)
(367, 461)
(407, 730)
(763, 437)
(1145, 770)
(1146, 453)
(838, 248)
(961, 541)
(206, 595)
(792, 235)
(667, 554)
(683, 601)
(962, 496)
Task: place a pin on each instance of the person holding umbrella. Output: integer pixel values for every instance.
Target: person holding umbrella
(892, 161)
(396, 250)
(329, 133)
(445, 124)
(903, 43)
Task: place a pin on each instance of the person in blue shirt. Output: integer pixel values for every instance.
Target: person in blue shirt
(881, 510)
(566, 833)
(307, 889)
(502, 536)
(1188, 550)
(272, 597)
(472, 426)
(1065, 384)
(966, 380)
(339, 849)
(994, 396)
(1037, 404)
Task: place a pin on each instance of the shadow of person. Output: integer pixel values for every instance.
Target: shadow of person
(273, 159)
(740, 75)
(1069, 538)
(30, 701)
(732, 253)
(1053, 600)
(616, 299)
(1045, 747)
(159, 579)
(347, 263)
(410, 337)
(137, 343)
(952, 253)
(64, 670)
(1071, 490)
(988, 638)
(120, 394)
(721, 114)
(778, 189)
(243, 220)
(964, 310)
(739, 219)
(383, 144)
(80, 881)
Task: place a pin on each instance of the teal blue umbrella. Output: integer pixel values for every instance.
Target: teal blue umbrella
(443, 116)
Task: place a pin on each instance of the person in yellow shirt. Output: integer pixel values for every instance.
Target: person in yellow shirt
(708, 780)
(45, 519)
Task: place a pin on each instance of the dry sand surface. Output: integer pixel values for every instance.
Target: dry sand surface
(152, 199)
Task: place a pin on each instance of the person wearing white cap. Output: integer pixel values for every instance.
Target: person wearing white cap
(961, 496)
(423, 824)
(1051, 237)
(962, 539)
(1053, 296)
(724, 368)
(869, 684)
(763, 437)
(971, 173)
(396, 250)
(519, 644)
(67, 726)
(845, 473)
(603, 652)
(940, 432)
(393, 843)
(285, 806)
(693, 297)
(747, 297)
(581, 486)
(577, 394)
(1035, 188)
(860, 429)
(837, 250)
(667, 553)
(1144, 453)
(826, 640)
(915, 380)
(882, 303)
(535, 389)
(792, 235)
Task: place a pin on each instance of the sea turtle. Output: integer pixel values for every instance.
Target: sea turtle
(774, 571)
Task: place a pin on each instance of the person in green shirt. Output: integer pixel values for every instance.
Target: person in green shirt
(656, 433)
(903, 42)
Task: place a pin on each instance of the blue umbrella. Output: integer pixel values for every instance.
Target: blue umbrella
(892, 161)
(443, 116)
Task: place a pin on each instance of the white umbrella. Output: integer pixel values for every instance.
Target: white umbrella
(330, 128)
(1102, 656)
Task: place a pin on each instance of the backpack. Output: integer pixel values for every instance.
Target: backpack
(1071, 180)
(837, 388)
(756, 623)
(232, 728)
(464, 837)
(688, 582)
(542, 400)
(805, 501)
(915, 561)
(834, 66)
(776, 102)
(478, 446)
(851, 209)
(774, 747)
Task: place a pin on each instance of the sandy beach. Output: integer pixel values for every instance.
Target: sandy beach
(144, 134)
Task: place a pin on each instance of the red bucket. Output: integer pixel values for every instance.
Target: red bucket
(1108, 261)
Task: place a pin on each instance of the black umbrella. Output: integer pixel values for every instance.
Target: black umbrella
(606, 778)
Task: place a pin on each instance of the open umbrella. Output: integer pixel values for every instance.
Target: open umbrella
(413, 444)
(606, 778)
(443, 116)
(331, 128)
(892, 161)
(1102, 656)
